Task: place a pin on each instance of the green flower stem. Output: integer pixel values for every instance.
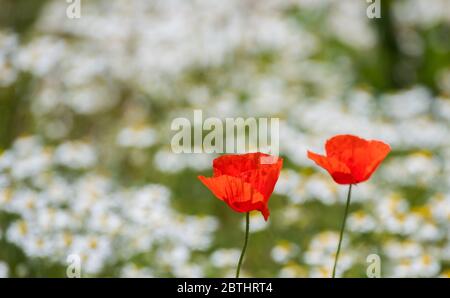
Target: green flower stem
(247, 227)
(349, 195)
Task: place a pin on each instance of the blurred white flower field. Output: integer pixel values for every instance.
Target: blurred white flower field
(86, 166)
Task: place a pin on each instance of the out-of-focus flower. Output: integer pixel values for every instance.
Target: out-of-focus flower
(41, 55)
(361, 222)
(440, 207)
(322, 272)
(423, 266)
(258, 223)
(292, 270)
(133, 271)
(407, 104)
(321, 253)
(76, 155)
(267, 60)
(349, 24)
(136, 136)
(419, 168)
(445, 274)
(8, 48)
(319, 188)
(283, 251)
(28, 158)
(223, 258)
(402, 249)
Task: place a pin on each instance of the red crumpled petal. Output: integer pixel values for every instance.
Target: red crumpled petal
(249, 167)
(239, 195)
(339, 171)
(245, 182)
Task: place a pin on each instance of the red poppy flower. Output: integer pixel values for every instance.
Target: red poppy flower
(350, 159)
(244, 182)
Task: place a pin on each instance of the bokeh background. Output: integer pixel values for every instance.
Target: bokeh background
(85, 110)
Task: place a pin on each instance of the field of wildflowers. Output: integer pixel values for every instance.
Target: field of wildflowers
(86, 106)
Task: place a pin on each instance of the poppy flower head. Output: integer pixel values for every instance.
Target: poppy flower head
(350, 159)
(244, 181)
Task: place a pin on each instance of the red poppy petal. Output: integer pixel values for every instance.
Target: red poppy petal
(218, 189)
(343, 178)
(246, 206)
(338, 170)
(238, 194)
(342, 147)
(235, 164)
(377, 152)
(265, 178)
(362, 157)
(328, 163)
(252, 169)
(265, 212)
